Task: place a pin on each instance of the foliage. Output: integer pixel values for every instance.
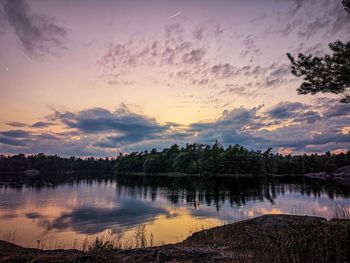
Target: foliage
(346, 4)
(101, 246)
(191, 159)
(216, 159)
(327, 74)
(54, 164)
(140, 237)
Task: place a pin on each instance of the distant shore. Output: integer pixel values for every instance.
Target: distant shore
(340, 176)
(174, 174)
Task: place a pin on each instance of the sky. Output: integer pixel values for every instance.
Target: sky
(95, 78)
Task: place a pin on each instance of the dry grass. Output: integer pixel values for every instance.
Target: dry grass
(111, 241)
(304, 241)
(341, 212)
(101, 243)
(200, 227)
(291, 240)
(9, 236)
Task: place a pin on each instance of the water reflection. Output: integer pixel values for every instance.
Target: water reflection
(218, 191)
(170, 207)
(91, 220)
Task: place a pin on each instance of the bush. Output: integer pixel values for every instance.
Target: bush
(101, 246)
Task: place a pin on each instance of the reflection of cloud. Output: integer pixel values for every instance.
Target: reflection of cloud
(91, 207)
(269, 211)
(91, 220)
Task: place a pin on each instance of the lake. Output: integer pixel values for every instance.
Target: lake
(66, 214)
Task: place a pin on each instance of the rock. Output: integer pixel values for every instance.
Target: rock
(341, 175)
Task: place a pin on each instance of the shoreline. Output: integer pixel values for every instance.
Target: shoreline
(340, 176)
(283, 238)
(173, 174)
(109, 174)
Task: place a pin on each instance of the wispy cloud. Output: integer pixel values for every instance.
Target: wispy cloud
(38, 34)
(329, 18)
(16, 124)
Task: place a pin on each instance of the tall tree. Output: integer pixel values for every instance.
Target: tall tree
(346, 4)
(327, 74)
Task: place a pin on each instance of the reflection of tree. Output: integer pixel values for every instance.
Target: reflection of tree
(218, 191)
(209, 191)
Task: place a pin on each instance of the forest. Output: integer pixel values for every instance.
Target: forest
(191, 159)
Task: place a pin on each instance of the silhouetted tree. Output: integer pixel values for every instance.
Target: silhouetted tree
(151, 164)
(192, 159)
(182, 163)
(327, 74)
(346, 4)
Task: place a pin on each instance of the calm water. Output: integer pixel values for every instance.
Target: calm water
(171, 208)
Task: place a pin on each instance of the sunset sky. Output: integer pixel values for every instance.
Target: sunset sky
(101, 77)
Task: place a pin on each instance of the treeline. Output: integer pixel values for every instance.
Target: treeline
(216, 159)
(53, 164)
(191, 159)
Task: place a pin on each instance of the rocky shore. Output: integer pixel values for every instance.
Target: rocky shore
(269, 238)
(341, 175)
